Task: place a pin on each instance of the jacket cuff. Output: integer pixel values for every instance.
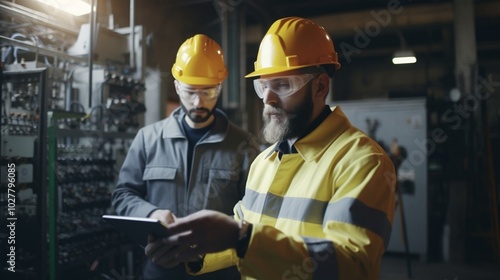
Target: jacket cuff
(215, 261)
(144, 210)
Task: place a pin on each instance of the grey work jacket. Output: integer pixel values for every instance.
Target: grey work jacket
(154, 173)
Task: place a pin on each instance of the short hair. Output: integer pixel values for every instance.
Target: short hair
(319, 69)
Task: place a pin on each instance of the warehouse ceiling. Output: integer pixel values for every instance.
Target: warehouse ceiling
(282, 8)
(424, 25)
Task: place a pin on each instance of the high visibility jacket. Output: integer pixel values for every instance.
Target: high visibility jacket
(324, 212)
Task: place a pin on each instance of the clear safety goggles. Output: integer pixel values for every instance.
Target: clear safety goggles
(205, 94)
(282, 86)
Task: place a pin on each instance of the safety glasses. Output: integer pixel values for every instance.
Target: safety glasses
(282, 86)
(205, 94)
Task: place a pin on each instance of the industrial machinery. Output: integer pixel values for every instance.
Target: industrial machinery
(68, 113)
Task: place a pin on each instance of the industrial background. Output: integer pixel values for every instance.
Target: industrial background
(76, 88)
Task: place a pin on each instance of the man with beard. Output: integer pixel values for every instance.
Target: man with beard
(319, 203)
(195, 159)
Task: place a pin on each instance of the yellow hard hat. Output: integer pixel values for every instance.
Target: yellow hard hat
(293, 43)
(200, 61)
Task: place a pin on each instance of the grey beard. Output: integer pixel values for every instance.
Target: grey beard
(275, 131)
(292, 124)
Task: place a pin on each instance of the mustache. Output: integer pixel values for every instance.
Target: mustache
(268, 110)
(273, 110)
(199, 109)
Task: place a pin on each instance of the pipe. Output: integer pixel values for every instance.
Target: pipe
(42, 51)
(17, 10)
(92, 20)
(132, 35)
(111, 18)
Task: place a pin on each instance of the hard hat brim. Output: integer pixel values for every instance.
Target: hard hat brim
(281, 69)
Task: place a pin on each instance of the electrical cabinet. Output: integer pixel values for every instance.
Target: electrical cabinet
(69, 113)
(62, 166)
(23, 192)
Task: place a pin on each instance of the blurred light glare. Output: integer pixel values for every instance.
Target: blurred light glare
(74, 7)
(404, 57)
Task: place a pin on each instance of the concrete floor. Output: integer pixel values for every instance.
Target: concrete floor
(395, 268)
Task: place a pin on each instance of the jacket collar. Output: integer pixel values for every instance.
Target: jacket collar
(313, 144)
(172, 126)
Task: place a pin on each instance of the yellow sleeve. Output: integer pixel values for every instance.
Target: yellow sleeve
(216, 261)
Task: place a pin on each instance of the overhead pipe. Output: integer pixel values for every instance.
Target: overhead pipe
(92, 19)
(30, 15)
(132, 35)
(41, 50)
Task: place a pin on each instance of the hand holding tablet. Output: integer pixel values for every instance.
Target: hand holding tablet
(138, 229)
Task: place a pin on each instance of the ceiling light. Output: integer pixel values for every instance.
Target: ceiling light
(404, 57)
(74, 7)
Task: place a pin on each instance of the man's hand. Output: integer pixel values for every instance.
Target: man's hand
(156, 250)
(165, 216)
(203, 232)
(162, 254)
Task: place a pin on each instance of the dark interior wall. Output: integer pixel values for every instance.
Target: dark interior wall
(379, 78)
(489, 74)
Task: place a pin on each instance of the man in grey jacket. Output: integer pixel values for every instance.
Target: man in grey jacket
(195, 159)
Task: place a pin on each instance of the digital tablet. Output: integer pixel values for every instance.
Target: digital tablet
(137, 229)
